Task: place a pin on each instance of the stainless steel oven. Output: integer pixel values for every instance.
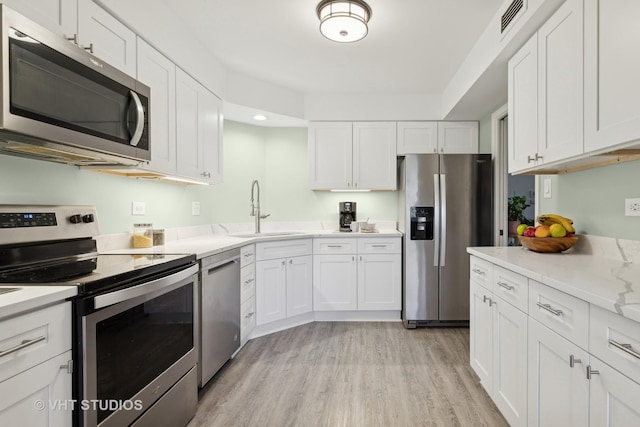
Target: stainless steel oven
(134, 317)
(63, 104)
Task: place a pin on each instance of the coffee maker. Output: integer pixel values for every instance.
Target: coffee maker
(347, 215)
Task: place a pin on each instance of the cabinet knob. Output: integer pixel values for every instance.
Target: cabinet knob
(284, 262)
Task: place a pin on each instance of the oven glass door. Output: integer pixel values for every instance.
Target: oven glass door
(52, 88)
(130, 344)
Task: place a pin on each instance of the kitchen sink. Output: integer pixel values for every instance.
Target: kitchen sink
(276, 233)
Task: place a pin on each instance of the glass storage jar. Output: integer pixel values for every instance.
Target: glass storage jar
(142, 235)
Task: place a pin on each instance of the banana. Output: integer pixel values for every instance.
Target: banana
(548, 219)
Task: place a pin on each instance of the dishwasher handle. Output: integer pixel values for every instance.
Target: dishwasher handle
(221, 264)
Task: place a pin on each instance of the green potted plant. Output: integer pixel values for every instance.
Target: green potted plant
(516, 205)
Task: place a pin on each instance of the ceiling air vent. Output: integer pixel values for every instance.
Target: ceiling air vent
(511, 12)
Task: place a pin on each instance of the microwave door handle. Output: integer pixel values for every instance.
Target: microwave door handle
(137, 133)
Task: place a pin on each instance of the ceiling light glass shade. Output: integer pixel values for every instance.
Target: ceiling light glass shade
(343, 21)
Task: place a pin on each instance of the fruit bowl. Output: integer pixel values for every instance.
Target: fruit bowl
(548, 244)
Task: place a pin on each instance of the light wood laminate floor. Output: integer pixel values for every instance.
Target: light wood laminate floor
(350, 374)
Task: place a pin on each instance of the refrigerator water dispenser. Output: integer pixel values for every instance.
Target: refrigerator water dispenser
(421, 223)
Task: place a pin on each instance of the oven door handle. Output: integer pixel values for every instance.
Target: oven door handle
(111, 298)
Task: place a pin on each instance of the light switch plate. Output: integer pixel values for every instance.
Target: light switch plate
(138, 208)
(632, 207)
(547, 188)
(195, 208)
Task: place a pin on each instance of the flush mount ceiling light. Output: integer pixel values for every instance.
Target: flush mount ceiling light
(343, 21)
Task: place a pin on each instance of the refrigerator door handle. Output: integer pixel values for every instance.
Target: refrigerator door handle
(443, 218)
(436, 219)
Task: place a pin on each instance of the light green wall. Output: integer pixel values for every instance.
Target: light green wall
(594, 199)
(277, 157)
(484, 134)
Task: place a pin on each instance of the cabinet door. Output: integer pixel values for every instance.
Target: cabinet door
(481, 334)
(59, 16)
(374, 155)
(330, 155)
(111, 40)
(417, 138)
(510, 362)
(558, 393)
(458, 137)
(560, 84)
(523, 106)
(45, 384)
(380, 282)
(271, 291)
(210, 117)
(157, 72)
(334, 283)
(614, 398)
(299, 285)
(188, 103)
(611, 70)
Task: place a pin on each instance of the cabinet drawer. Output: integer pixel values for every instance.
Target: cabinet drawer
(560, 312)
(247, 282)
(481, 272)
(511, 287)
(615, 340)
(283, 249)
(247, 255)
(247, 317)
(327, 246)
(379, 245)
(48, 329)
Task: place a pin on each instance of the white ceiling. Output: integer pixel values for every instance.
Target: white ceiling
(413, 46)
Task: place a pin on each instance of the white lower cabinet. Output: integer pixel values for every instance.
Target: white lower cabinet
(558, 386)
(614, 399)
(481, 334)
(247, 292)
(334, 282)
(284, 285)
(38, 397)
(379, 282)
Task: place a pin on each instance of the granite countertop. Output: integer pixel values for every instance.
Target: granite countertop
(28, 298)
(611, 283)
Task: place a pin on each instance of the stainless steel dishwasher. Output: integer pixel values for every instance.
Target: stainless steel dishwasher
(219, 312)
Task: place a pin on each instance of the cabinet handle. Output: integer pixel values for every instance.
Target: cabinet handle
(486, 298)
(248, 255)
(591, 372)
(73, 39)
(378, 246)
(573, 361)
(248, 315)
(355, 184)
(334, 246)
(531, 159)
(550, 309)
(348, 184)
(477, 271)
(627, 348)
(88, 48)
(435, 150)
(290, 261)
(248, 281)
(538, 157)
(284, 262)
(361, 258)
(23, 344)
(506, 286)
(353, 258)
(68, 366)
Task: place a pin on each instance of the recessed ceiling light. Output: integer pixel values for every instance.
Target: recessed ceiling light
(259, 117)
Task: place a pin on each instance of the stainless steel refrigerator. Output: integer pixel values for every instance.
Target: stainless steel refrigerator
(445, 205)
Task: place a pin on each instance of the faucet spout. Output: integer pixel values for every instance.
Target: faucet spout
(255, 204)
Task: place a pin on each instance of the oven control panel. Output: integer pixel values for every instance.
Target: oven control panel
(35, 223)
(27, 219)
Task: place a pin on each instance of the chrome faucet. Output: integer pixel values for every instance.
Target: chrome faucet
(255, 207)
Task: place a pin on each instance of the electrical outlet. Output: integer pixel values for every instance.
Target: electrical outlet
(195, 208)
(632, 207)
(546, 193)
(138, 208)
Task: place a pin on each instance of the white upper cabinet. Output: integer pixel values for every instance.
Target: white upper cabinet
(417, 138)
(437, 137)
(612, 67)
(523, 106)
(560, 84)
(374, 156)
(157, 72)
(457, 137)
(59, 16)
(545, 92)
(345, 155)
(106, 37)
(198, 129)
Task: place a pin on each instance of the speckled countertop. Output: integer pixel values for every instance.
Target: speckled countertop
(608, 279)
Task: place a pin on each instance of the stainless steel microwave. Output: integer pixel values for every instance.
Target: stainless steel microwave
(61, 103)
